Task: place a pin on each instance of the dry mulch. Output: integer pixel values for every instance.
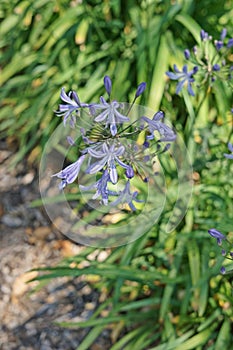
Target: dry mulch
(27, 241)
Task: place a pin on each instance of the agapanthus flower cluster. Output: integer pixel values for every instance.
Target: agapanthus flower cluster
(108, 147)
(205, 63)
(222, 242)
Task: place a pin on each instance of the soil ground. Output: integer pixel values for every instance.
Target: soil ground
(28, 240)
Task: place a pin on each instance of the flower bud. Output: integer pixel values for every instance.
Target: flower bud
(140, 89)
(216, 67)
(223, 33)
(186, 54)
(230, 43)
(129, 172)
(223, 270)
(108, 84)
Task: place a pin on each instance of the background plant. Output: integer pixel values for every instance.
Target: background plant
(163, 290)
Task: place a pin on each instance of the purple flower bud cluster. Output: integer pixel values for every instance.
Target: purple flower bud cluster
(225, 251)
(108, 148)
(206, 62)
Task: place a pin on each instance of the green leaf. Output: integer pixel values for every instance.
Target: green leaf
(224, 339)
(90, 338)
(190, 24)
(158, 80)
(197, 340)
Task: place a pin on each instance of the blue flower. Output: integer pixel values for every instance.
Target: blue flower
(155, 124)
(110, 114)
(71, 108)
(230, 147)
(70, 173)
(184, 76)
(217, 234)
(127, 197)
(107, 155)
(101, 187)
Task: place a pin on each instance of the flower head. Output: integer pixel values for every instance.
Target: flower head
(184, 77)
(208, 63)
(107, 157)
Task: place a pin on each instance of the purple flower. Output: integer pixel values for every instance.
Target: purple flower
(140, 89)
(155, 124)
(70, 173)
(108, 84)
(217, 234)
(184, 76)
(71, 108)
(127, 197)
(110, 114)
(101, 187)
(230, 147)
(107, 155)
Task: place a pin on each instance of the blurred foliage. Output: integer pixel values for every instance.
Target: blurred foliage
(162, 291)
